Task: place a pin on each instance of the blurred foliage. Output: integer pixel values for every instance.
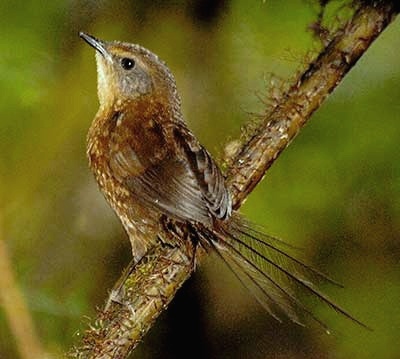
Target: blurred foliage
(335, 192)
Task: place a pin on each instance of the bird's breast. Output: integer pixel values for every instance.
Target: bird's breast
(124, 144)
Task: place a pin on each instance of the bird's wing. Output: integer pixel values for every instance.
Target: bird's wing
(207, 173)
(170, 188)
(186, 185)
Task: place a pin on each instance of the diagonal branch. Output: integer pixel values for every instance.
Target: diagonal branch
(153, 282)
(306, 95)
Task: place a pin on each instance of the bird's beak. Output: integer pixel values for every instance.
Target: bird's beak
(99, 45)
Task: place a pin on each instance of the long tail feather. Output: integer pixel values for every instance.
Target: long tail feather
(295, 260)
(291, 304)
(270, 273)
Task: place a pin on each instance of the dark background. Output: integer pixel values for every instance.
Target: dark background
(334, 192)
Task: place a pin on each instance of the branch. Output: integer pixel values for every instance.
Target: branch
(150, 286)
(305, 96)
(16, 309)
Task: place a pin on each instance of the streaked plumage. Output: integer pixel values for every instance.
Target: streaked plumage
(152, 170)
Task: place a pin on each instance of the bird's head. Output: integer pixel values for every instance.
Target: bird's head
(127, 72)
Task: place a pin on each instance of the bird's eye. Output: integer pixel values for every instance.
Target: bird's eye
(127, 63)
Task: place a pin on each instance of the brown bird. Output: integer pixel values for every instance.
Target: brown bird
(163, 184)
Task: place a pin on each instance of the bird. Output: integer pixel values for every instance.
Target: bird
(164, 185)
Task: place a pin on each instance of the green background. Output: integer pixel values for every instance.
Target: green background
(334, 192)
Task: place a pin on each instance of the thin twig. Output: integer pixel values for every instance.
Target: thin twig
(157, 277)
(15, 308)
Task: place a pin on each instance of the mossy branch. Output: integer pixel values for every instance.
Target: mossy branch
(150, 286)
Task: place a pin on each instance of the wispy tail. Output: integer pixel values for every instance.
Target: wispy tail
(272, 275)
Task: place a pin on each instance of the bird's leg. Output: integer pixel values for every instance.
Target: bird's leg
(116, 293)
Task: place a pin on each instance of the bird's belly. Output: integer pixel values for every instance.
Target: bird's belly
(141, 224)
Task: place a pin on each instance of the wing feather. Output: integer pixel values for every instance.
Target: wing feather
(186, 185)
